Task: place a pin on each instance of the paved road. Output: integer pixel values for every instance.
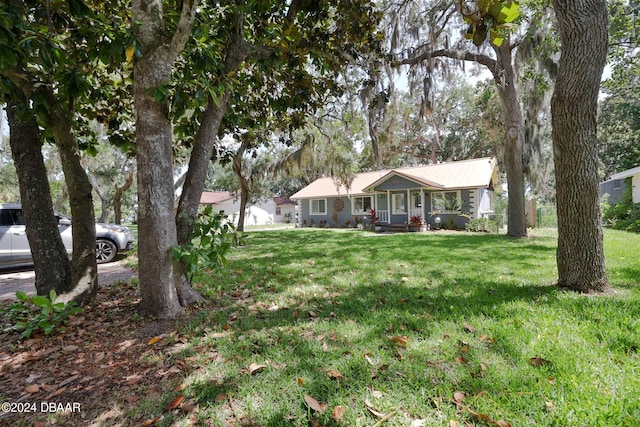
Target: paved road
(23, 280)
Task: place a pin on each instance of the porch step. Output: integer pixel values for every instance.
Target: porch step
(397, 227)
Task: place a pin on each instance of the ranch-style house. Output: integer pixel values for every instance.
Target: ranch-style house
(439, 195)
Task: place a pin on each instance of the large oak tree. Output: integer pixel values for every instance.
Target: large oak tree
(583, 28)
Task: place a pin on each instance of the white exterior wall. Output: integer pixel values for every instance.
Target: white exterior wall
(635, 191)
(284, 210)
(261, 214)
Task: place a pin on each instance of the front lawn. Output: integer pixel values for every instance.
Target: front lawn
(415, 329)
(310, 327)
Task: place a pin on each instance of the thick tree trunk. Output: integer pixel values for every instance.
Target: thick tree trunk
(154, 144)
(194, 185)
(513, 144)
(50, 260)
(583, 26)
(84, 271)
(205, 141)
(198, 164)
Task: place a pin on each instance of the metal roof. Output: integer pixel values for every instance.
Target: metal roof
(472, 173)
(625, 174)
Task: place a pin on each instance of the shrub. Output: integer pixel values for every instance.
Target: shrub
(31, 314)
(212, 237)
(480, 224)
(625, 215)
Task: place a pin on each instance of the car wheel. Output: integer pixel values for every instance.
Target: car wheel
(105, 251)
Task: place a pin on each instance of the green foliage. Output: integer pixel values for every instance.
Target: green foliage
(492, 20)
(31, 314)
(212, 237)
(625, 215)
(480, 224)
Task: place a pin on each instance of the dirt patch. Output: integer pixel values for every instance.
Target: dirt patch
(94, 371)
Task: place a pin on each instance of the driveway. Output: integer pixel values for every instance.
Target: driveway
(12, 281)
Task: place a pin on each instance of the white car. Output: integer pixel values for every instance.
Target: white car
(14, 246)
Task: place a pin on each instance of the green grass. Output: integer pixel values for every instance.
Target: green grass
(471, 311)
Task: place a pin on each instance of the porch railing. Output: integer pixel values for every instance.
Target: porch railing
(383, 216)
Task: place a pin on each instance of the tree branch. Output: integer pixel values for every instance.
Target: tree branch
(461, 55)
(185, 25)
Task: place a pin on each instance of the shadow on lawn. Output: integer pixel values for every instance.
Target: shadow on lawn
(458, 281)
(381, 310)
(380, 306)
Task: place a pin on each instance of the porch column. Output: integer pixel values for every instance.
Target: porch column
(389, 206)
(424, 216)
(408, 206)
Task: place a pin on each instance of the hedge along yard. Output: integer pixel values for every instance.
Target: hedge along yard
(345, 327)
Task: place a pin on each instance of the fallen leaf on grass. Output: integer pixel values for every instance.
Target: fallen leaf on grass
(314, 404)
(399, 340)
(461, 360)
(459, 396)
(153, 340)
(338, 413)
(221, 397)
(373, 410)
(367, 356)
(469, 328)
(254, 368)
(175, 403)
(487, 419)
(487, 339)
(150, 422)
(539, 361)
(334, 374)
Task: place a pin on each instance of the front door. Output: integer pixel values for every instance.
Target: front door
(415, 207)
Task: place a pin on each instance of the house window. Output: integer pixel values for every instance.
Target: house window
(398, 204)
(446, 202)
(362, 205)
(318, 206)
(278, 210)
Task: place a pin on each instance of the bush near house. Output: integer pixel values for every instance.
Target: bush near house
(625, 215)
